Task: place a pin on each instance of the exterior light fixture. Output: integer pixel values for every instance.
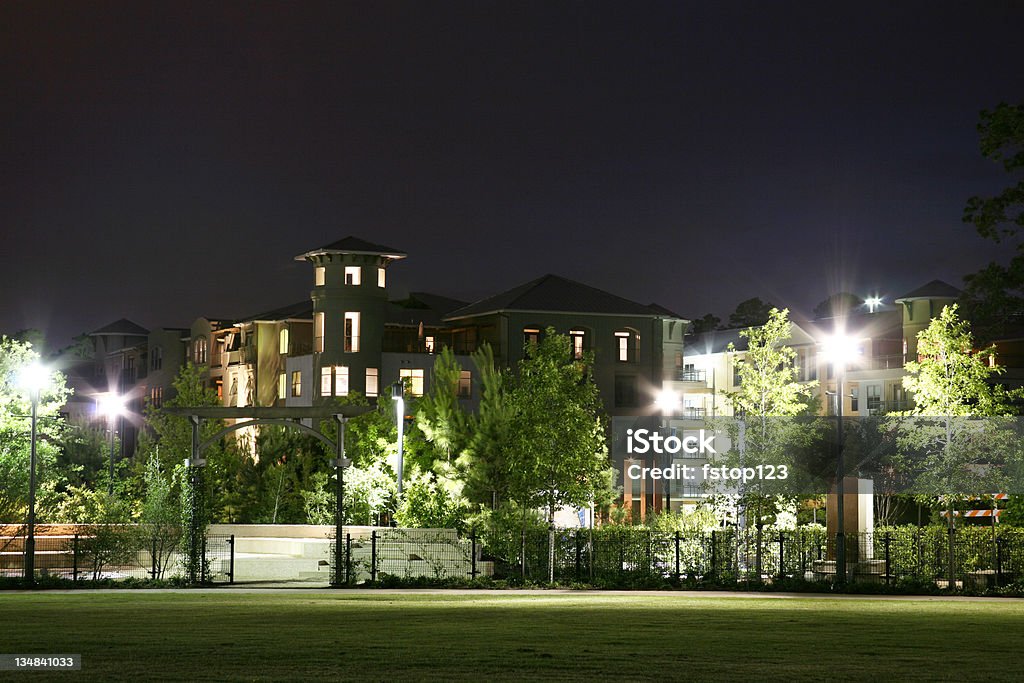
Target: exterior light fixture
(873, 303)
(398, 396)
(33, 379)
(112, 406)
(668, 401)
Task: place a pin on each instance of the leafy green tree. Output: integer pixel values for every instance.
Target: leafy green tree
(15, 429)
(160, 518)
(994, 296)
(956, 454)
(485, 463)
(750, 313)
(557, 454)
(767, 401)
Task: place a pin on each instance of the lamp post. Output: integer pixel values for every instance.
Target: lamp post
(398, 395)
(33, 379)
(840, 350)
(668, 403)
(111, 405)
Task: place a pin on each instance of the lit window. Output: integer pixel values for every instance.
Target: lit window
(429, 344)
(465, 384)
(296, 383)
(353, 275)
(372, 382)
(576, 336)
(283, 340)
(415, 377)
(624, 349)
(318, 332)
(380, 277)
(282, 385)
(319, 276)
(199, 351)
(531, 336)
(156, 396)
(334, 380)
(351, 332)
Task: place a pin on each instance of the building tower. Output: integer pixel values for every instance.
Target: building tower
(349, 308)
(919, 307)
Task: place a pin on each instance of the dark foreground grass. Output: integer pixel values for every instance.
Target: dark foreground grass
(240, 636)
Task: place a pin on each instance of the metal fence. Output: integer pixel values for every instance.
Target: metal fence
(114, 552)
(969, 557)
(375, 554)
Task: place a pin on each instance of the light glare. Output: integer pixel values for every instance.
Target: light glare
(840, 349)
(110, 405)
(34, 377)
(667, 401)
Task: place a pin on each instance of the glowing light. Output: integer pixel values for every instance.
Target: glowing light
(110, 404)
(840, 349)
(34, 377)
(873, 303)
(667, 401)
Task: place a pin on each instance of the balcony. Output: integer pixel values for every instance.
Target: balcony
(693, 413)
(691, 376)
(892, 362)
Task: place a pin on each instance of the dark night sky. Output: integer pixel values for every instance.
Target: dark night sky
(161, 164)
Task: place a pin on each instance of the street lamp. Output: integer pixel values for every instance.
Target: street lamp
(668, 402)
(398, 395)
(112, 406)
(33, 378)
(840, 350)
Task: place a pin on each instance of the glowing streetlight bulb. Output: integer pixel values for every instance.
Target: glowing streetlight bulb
(34, 378)
(840, 350)
(667, 401)
(110, 404)
(873, 303)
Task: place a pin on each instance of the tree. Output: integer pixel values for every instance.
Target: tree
(750, 313)
(706, 323)
(15, 429)
(837, 305)
(956, 453)
(557, 448)
(768, 398)
(994, 296)
(485, 465)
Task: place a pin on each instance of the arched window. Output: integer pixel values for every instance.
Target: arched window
(200, 351)
(627, 345)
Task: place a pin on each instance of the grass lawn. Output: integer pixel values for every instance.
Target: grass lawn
(232, 635)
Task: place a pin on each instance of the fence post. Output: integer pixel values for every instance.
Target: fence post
(678, 575)
(472, 540)
(348, 559)
(152, 559)
(888, 560)
(579, 554)
(999, 561)
(622, 554)
(203, 573)
(74, 559)
(231, 560)
(952, 560)
(714, 554)
(522, 552)
(782, 559)
(373, 556)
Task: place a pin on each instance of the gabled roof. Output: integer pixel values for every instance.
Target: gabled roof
(421, 307)
(662, 311)
(302, 310)
(354, 245)
(936, 289)
(553, 293)
(121, 327)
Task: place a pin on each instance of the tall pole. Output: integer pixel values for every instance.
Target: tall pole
(110, 482)
(840, 477)
(398, 393)
(30, 542)
(339, 512)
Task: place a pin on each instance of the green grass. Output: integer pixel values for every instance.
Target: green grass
(231, 635)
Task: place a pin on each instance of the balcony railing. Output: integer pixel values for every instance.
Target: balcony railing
(892, 362)
(693, 413)
(886, 407)
(691, 375)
